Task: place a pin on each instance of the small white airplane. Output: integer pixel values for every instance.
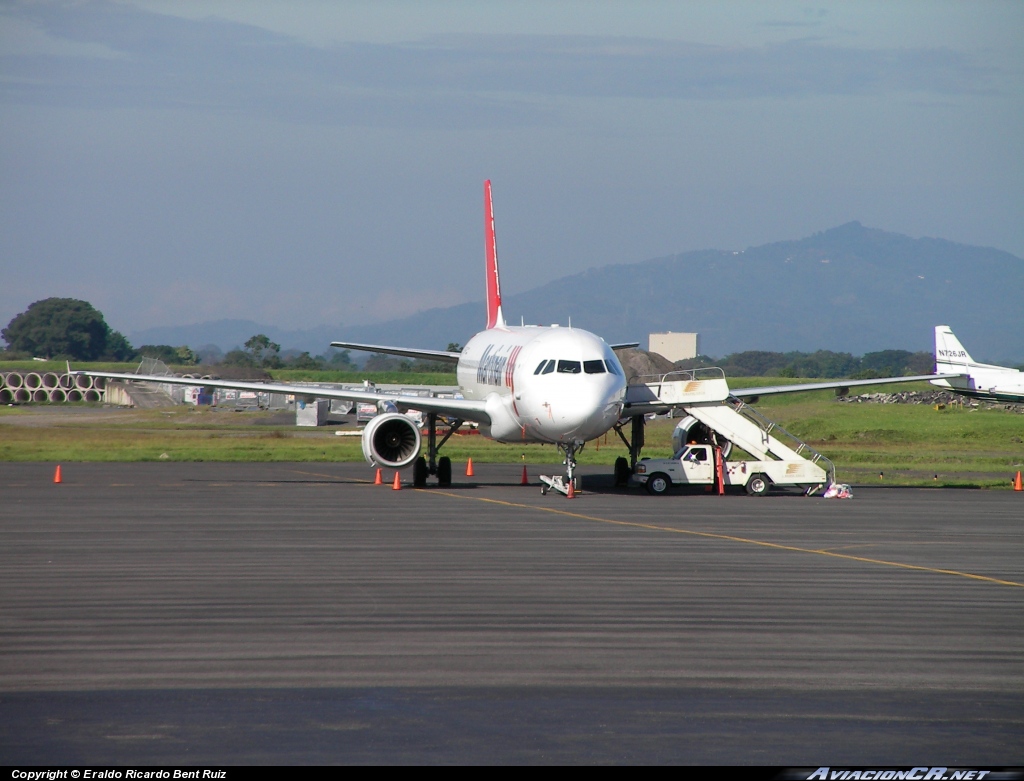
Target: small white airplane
(977, 380)
(521, 384)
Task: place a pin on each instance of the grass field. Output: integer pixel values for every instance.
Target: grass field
(909, 444)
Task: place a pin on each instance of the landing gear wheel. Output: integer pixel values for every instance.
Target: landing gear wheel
(621, 472)
(544, 489)
(658, 484)
(419, 473)
(444, 471)
(758, 485)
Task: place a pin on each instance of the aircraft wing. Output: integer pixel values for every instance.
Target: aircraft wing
(443, 356)
(465, 409)
(641, 400)
(772, 390)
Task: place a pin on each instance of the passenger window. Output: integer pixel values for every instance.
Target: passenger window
(593, 367)
(568, 367)
(540, 366)
(549, 368)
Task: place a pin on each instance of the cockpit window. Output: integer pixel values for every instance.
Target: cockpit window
(593, 367)
(568, 367)
(540, 366)
(549, 368)
(613, 367)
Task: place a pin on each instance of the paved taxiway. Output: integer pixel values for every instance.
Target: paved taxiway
(219, 613)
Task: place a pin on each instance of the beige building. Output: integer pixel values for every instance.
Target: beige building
(674, 346)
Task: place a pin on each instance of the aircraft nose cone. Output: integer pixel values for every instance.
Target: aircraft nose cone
(594, 411)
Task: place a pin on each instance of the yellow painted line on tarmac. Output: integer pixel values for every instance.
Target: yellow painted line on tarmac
(332, 477)
(744, 540)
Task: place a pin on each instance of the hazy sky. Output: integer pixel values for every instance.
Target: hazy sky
(309, 163)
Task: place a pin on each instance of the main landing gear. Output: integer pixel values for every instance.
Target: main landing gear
(557, 482)
(432, 465)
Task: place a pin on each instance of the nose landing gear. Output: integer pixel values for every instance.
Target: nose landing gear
(570, 483)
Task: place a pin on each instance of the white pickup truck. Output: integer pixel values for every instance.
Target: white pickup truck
(695, 465)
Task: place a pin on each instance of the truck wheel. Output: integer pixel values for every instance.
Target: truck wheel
(419, 473)
(444, 471)
(758, 485)
(658, 483)
(621, 472)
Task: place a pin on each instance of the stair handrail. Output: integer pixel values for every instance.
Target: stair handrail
(773, 429)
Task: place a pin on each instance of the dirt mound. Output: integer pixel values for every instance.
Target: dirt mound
(639, 363)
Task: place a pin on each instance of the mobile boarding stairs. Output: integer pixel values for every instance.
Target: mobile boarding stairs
(704, 395)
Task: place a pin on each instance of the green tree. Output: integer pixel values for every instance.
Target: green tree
(237, 358)
(305, 361)
(161, 352)
(264, 352)
(60, 327)
(178, 356)
(118, 348)
(186, 356)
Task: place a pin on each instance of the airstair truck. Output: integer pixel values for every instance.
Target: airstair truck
(778, 457)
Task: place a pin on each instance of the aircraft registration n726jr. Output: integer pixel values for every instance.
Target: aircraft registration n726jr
(521, 384)
(977, 380)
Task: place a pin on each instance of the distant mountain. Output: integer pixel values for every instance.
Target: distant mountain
(850, 288)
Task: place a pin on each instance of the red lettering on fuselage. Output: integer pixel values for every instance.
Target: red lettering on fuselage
(495, 368)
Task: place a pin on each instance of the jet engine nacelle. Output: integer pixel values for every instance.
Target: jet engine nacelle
(391, 440)
(691, 430)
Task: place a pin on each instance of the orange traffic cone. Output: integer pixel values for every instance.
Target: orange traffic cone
(572, 490)
(378, 480)
(56, 476)
(398, 482)
(525, 480)
(469, 468)
(1017, 484)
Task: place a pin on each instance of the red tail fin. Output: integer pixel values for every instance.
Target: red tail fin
(494, 316)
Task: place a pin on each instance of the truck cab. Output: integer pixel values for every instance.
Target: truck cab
(690, 465)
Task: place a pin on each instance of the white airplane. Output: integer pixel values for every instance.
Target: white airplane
(977, 380)
(522, 384)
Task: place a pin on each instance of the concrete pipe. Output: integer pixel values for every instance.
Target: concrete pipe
(67, 382)
(21, 396)
(74, 395)
(33, 381)
(51, 380)
(83, 382)
(92, 395)
(6, 396)
(99, 383)
(15, 381)
(40, 395)
(57, 396)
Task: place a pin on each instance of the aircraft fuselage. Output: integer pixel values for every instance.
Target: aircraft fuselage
(543, 384)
